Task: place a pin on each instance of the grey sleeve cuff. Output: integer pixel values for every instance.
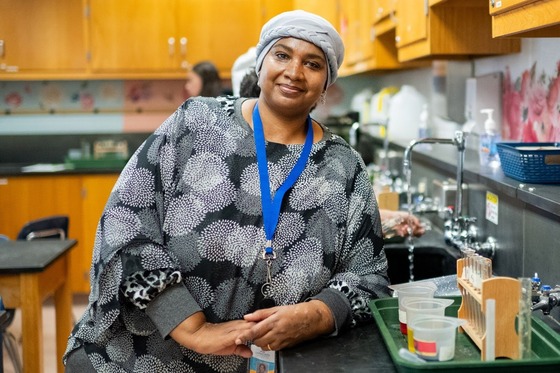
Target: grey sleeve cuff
(339, 306)
(170, 308)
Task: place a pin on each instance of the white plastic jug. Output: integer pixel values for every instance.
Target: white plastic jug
(380, 103)
(404, 114)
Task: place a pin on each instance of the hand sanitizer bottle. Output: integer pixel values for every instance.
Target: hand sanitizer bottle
(488, 150)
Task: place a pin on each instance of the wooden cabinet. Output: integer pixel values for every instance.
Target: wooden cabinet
(525, 18)
(81, 197)
(328, 9)
(95, 191)
(384, 12)
(412, 22)
(350, 31)
(379, 50)
(163, 38)
(447, 29)
(43, 37)
(134, 37)
(270, 8)
(25, 198)
(126, 39)
(230, 27)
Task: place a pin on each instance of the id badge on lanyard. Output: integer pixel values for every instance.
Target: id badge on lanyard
(262, 361)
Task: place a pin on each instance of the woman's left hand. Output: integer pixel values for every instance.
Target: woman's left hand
(285, 326)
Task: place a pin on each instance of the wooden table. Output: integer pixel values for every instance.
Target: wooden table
(30, 272)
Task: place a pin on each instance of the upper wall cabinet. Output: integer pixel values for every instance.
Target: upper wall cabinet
(151, 38)
(134, 36)
(327, 9)
(41, 37)
(382, 35)
(382, 38)
(447, 29)
(221, 30)
(525, 18)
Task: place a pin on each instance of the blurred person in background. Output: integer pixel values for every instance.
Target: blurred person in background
(203, 80)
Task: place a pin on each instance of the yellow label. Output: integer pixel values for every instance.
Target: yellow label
(410, 335)
(492, 207)
(491, 197)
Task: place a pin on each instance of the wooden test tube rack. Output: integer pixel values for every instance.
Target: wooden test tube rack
(506, 292)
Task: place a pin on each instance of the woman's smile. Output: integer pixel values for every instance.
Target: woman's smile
(290, 89)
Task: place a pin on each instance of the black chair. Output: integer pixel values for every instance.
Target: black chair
(55, 226)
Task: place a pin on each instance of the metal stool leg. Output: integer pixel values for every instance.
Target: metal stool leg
(13, 351)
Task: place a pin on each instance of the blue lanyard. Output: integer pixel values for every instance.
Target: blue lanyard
(271, 206)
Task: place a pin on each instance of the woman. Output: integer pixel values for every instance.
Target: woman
(215, 242)
(203, 80)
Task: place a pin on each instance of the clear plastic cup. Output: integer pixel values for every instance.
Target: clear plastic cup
(424, 291)
(434, 337)
(420, 307)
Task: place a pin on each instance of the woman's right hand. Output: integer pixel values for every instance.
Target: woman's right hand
(215, 339)
(400, 223)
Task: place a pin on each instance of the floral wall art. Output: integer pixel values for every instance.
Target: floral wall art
(105, 106)
(531, 105)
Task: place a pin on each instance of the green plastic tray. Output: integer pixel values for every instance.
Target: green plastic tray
(545, 345)
(96, 163)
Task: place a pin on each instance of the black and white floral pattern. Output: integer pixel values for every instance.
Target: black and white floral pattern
(186, 210)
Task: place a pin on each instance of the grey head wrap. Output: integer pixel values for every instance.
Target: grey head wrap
(306, 26)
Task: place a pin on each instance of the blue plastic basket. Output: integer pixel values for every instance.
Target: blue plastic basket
(527, 162)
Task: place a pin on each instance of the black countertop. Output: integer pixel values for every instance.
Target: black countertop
(16, 169)
(18, 256)
(360, 349)
(444, 159)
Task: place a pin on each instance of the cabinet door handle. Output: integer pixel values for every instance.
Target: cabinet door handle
(183, 46)
(1, 48)
(171, 46)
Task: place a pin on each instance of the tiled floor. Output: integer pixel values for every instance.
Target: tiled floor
(49, 344)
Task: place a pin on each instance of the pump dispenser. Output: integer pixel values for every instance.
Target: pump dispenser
(488, 150)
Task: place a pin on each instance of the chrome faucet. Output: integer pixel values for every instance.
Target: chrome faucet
(547, 299)
(459, 231)
(459, 142)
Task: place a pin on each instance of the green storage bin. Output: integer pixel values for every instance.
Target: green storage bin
(91, 163)
(545, 345)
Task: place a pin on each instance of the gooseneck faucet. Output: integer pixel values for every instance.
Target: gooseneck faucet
(459, 142)
(460, 231)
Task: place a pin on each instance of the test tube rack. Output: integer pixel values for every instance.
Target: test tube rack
(506, 292)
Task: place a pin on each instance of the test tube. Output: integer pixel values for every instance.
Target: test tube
(524, 318)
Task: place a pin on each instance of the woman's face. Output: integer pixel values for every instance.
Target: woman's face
(293, 75)
(193, 84)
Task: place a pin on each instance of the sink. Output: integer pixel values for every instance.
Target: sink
(432, 258)
(11, 168)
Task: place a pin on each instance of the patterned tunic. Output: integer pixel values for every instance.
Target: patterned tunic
(183, 232)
